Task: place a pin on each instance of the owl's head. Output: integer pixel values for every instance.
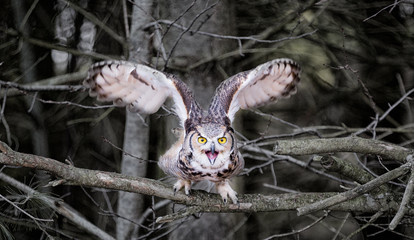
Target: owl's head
(211, 144)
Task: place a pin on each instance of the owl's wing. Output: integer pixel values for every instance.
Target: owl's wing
(142, 89)
(266, 83)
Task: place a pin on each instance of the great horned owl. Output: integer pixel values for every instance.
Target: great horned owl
(207, 148)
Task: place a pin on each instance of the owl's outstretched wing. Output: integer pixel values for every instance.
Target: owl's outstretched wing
(266, 83)
(142, 89)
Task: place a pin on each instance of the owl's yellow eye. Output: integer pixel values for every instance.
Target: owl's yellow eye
(202, 140)
(222, 140)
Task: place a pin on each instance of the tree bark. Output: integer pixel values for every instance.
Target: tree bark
(205, 202)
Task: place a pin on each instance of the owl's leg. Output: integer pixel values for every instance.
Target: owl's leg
(182, 183)
(224, 189)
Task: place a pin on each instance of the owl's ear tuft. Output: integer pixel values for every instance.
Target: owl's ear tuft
(266, 83)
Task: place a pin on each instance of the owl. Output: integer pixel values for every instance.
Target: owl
(207, 146)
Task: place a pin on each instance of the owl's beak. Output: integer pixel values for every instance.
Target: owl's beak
(212, 154)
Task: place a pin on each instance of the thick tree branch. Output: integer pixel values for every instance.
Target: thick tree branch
(206, 202)
(345, 168)
(347, 144)
(349, 170)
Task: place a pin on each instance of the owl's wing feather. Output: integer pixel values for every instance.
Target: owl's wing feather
(142, 89)
(266, 83)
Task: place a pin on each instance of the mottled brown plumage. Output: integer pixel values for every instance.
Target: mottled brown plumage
(206, 148)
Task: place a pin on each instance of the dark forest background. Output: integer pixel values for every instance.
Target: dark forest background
(357, 60)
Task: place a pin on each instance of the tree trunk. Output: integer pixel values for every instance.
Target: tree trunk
(136, 136)
(38, 133)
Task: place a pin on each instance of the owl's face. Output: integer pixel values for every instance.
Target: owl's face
(211, 145)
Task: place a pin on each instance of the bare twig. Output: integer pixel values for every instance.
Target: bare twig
(186, 30)
(97, 22)
(296, 162)
(35, 219)
(338, 231)
(385, 114)
(357, 191)
(3, 105)
(299, 230)
(384, 229)
(75, 104)
(126, 153)
(275, 118)
(404, 202)
(37, 88)
(406, 102)
(23, 211)
(238, 38)
(336, 131)
(56, 80)
(3, 118)
(177, 18)
(59, 206)
(178, 215)
(279, 188)
(152, 209)
(383, 9)
(29, 12)
(48, 45)
(371, 220)
(125, 18)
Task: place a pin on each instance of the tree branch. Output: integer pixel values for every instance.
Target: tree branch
(55, 80)
(349, 170)
(345, 168)
(36, 88)
(357, 191)
(347, 144)
(404, 202)
(206, 202)
(96, 21)
(49, 45)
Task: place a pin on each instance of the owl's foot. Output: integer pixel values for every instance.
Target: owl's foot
(224, 189)
(183, 183)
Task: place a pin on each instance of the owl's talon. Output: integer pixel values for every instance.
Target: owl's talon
(224, 189)
(182, 183)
